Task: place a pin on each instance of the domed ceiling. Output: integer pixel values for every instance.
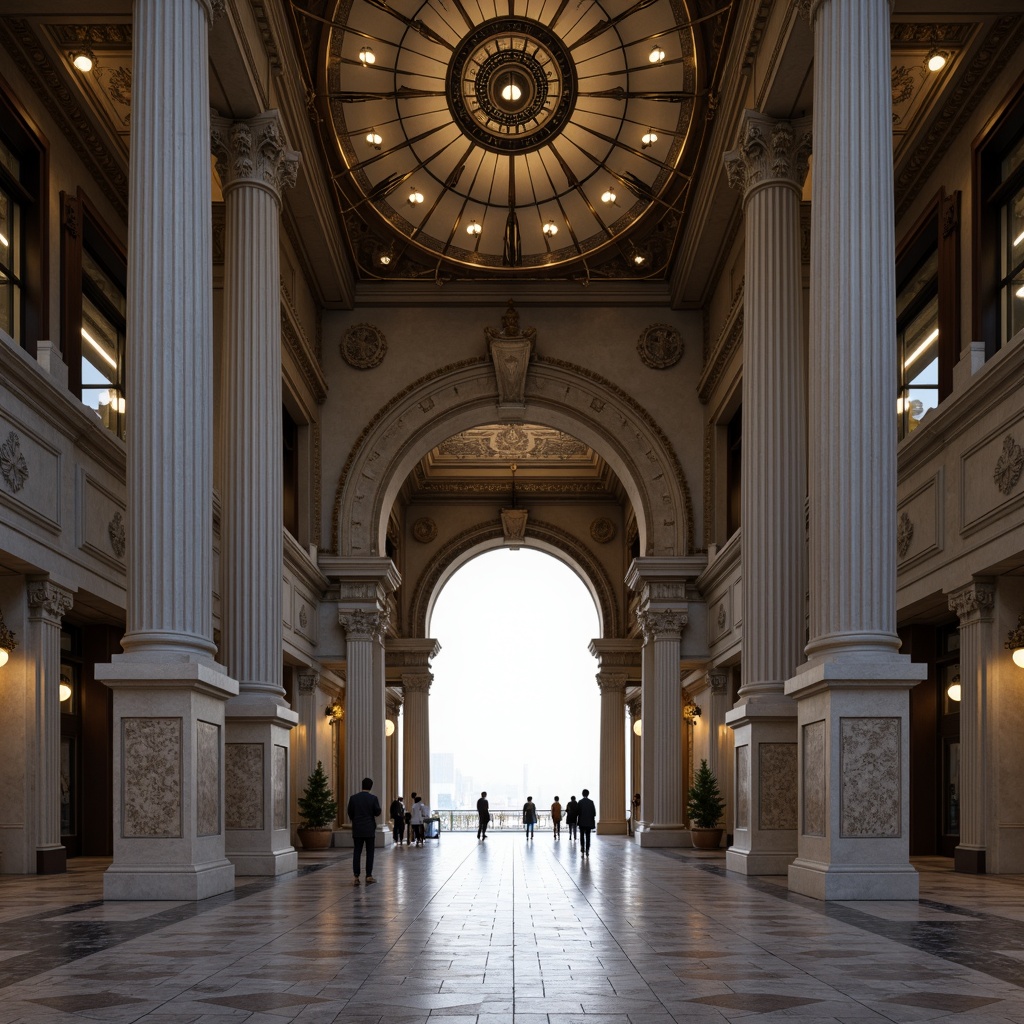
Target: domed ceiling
(487, 138)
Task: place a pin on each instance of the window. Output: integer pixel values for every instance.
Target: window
(94, 284)
(927, 311)
(23, 263)
(998, 175)
(291, 473)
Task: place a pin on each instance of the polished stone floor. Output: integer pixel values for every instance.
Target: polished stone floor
(510, 932)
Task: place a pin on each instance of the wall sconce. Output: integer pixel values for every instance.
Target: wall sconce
(7, 641)
(389, 727)
(334, 711)
(691, 711)
(638, 727)
(953, 691)
(1015, 642)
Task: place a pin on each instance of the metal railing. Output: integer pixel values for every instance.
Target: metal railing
(502, 820)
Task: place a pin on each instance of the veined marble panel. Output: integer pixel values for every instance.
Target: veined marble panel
(207, 778)
(280, 786)
(743, 786)
(243, 785)
(870, 771)
(777, 785)
(151, 778)
(814, 779)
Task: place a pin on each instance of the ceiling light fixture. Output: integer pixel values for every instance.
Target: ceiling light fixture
(385, 259)
(7, 641)
(936, 60)
(373, 138)
(608, 195)
(83, 59)
(64, 689)
(649, 139)
(657, 54)
(366, 56)
(473, 228)
(691, 711)
(954, 690)
(511, 93)
(415, 196)
(550, 229)
(1014, 641)
(639, 259)
(334, 711)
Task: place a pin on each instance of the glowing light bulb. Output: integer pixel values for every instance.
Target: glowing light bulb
(649, 138)
(608, 195)
(415, 196)
(373, 138)
(83, 62)
(936, 60)
(639, 259)
(511, 93)
(366, 56)
(550, 229)
(473, 228)
(64, 692)
(657, 54)
(385, 259)
(954, 692)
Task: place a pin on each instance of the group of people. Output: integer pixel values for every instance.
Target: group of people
(409, 825)
(579, 815)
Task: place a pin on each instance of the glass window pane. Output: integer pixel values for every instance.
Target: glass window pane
(94, 273)
(10, 161)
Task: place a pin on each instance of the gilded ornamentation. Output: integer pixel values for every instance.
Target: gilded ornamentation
(243, 785)
(512, 441)
(13, 465)
(603, 530)
(424, 530)
(207, 779)
(1009, 465)
(813, 770)
(151, 778)
(904, 534)
(363, 346)
(660, 346)
(870, 773)
(777, 785)
(116, 533)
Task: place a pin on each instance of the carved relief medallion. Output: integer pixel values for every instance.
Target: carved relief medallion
(12, 462)
(1008, 467)
(603, 530)
(904, 534)
(363, 346)
(660, 346)
(116, 533)
(424, 530)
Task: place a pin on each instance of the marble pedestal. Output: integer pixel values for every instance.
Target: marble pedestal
(853, 717)
(665, 837)
(168, 764)
(764, 837)
(257, 786)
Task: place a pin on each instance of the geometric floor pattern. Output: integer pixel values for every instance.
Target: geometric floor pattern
(512, 932)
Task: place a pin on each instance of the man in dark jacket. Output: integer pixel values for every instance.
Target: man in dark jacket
(397, 815)
(587, 820)
(572, 816)
(483, 810)
(363, 809)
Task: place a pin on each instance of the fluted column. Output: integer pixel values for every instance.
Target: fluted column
(254, 166)
(416, 768)
(853, 694)
(612, 791)
(635, 710)
(769, 167)
(48, 603)
(392, 789)
(973, 605)
(168, 692)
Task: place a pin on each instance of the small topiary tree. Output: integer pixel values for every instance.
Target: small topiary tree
(317, 806)
(704, 802)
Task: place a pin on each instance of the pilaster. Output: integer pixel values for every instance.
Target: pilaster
(48, 603)
(973, 605)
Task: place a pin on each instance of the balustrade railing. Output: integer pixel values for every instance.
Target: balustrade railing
(502, 820)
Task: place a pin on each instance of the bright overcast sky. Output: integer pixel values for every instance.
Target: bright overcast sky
(514, 697)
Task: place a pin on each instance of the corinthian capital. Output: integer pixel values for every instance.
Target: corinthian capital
(416, 682)
(253, 153)
(612, 682)
(974, 600)
(769, 152)
(214, 9)
(661, 625)
(49, 600)
(364, 625)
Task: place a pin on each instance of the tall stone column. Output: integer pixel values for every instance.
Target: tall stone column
(168, 692)
(853, 694)
(48, 603)
(635, 710)
(416, 769)
(254, 166)
(662, 614)
(393, 788)
(973, 605)
(769, 167)
(612, 791)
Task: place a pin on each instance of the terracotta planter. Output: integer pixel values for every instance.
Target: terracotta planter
(706, 838)
(315, 838)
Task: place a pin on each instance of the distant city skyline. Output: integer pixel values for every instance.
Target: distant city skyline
(514, 699)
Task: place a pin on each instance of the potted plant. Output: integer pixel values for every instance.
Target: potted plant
(704, 806)
(317, 811)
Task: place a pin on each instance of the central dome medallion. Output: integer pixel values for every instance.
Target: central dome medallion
(511, 85)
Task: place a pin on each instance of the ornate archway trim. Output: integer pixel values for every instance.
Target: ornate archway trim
(540, 533)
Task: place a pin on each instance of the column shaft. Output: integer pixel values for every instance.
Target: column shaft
(612, 792)
(662, 742)
(364, 708)
(417, 736)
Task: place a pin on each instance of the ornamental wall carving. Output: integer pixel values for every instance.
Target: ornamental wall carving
(117, 535)
(13, 464)
(424, 529)
(1008, 466)
(363, 346)
(660, 346)
(904, 534)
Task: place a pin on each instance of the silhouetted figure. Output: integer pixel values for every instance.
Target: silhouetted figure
(397, 814)
(483, 810)
(556, 818)
(363, 810)
(572, 816)
(529, 816)
(587, 821)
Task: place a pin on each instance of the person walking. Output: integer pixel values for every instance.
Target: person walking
(529, 816)
(363, 810)
(397, 814)
(483, 810)
(634, 815)
(587, 821)
(556, 818)
(572, 814)
(420, 813)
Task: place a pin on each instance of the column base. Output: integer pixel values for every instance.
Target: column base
(51, 860)
(827, 882)
(747, 862)
(190, 882)
(668, 837)
(609, 828)
(968, 860)
(277, 862)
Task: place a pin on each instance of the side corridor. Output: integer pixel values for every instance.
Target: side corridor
(505, 932)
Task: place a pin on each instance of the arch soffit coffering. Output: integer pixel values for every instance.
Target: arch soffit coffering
(487, 536)
(560, 395)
